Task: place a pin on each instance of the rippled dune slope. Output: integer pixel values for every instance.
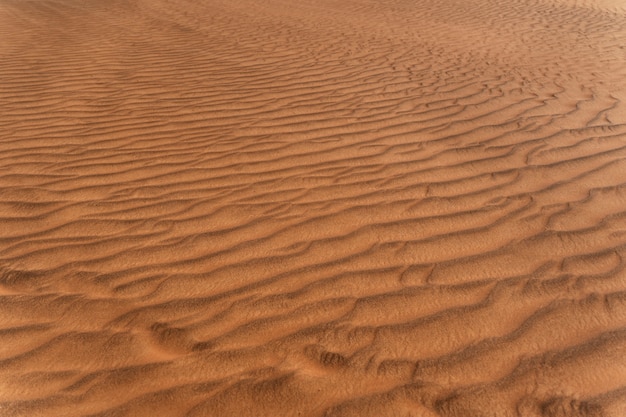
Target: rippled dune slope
(313, 208)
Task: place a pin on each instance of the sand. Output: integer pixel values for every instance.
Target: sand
(313, 208)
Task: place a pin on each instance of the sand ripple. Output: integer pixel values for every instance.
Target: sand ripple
(320, 208)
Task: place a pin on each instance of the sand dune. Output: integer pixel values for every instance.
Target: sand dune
(313, 208)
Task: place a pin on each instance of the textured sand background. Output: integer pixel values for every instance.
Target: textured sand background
(313, 208)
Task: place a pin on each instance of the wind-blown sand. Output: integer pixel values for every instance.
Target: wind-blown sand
(313, 208)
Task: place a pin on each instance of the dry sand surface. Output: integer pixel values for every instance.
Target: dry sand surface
(313, 208)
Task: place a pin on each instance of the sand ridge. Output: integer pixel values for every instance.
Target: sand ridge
(321, 208)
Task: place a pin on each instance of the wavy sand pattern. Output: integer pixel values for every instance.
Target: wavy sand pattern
(313, 208)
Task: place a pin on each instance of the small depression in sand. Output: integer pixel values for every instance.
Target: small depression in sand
(313, 208)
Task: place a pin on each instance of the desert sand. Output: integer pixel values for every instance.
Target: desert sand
(313, 208)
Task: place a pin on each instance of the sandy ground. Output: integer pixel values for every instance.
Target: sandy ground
(313, 208)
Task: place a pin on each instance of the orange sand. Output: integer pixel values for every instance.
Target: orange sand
(313, 208)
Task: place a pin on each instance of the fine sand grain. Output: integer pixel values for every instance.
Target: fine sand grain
(313, 208)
